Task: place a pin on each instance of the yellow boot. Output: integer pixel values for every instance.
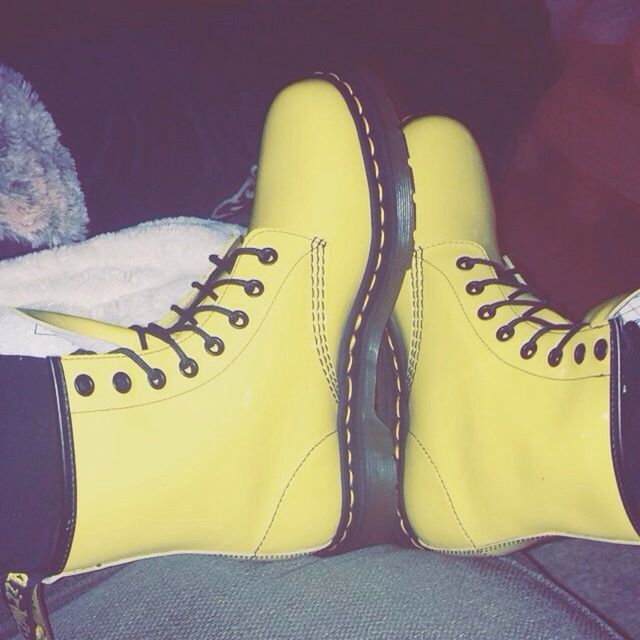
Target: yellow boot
(513, 423)
(244, 424)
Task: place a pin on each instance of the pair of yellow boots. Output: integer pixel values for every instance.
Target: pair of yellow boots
(247, 423)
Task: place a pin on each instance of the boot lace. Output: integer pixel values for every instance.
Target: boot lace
(509, 277)
(187, 320)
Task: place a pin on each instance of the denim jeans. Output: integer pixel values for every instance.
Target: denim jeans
(377, 593)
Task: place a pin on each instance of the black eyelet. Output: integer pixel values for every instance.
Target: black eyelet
(157, 379)
(214, 346)
(268, 256)
(254, 288)
(188, 367)
(528, 350)
(600, 349)
(554, 358)
(84, 384)
(486, 312)
(121, 382)
(473, 288)
(239, 319)
(505, 333)
(579, 353)
(464, 263)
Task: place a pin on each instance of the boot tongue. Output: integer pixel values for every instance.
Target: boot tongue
(452, 193)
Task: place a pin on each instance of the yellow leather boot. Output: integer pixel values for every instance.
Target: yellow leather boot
(512, 422)
(243, 424)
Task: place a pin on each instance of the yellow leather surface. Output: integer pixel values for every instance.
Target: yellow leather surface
(500, 448)
(242, 459)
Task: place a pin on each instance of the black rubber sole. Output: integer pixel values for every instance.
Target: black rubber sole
(369, 476)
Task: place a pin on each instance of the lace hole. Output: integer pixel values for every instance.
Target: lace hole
(528, 350)
(579, 353)
(121, 382)
(473, 288)
(239, 319)
(84, 384)
(600, 349)
(554, 358)
(464, 263)
(486, 312)
(504, 333)
(157, 379)
(214, 346)
(188, 367)
(268, 256)
(254, 288)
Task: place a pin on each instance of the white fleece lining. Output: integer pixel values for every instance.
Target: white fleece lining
(132, 276)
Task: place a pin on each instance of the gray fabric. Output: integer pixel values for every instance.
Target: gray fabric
(41, 201)
(607, 576)
(376, 593)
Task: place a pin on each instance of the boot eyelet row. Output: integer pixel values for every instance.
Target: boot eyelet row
(579, 353)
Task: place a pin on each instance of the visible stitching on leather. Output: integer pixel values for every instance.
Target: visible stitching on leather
(318, 316)
(395, 432)
(354, 337)
(286, 488)
(62, 393)
(531, 373)
(417, 291)
(227, 366)
(444, 486)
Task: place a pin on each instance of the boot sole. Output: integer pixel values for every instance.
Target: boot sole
(369, 477)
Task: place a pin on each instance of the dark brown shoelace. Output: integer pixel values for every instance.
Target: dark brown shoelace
(508, 277)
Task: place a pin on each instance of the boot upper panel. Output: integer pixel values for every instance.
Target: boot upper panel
(501, 447)
(191, 463)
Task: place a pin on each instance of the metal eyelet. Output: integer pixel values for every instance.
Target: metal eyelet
(464, 263)
(121, 382)
(486, 312)
(554, 358)
(600, 349)
(579, 353)
(505, 333)
(528, 350)
(214, 346)
(268, 256)
(254, 288)
(157, 379)
(188, 367)
(238, 319)
(84, 384)
(473, 288)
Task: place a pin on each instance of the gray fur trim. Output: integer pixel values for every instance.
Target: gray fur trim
(41, 201)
